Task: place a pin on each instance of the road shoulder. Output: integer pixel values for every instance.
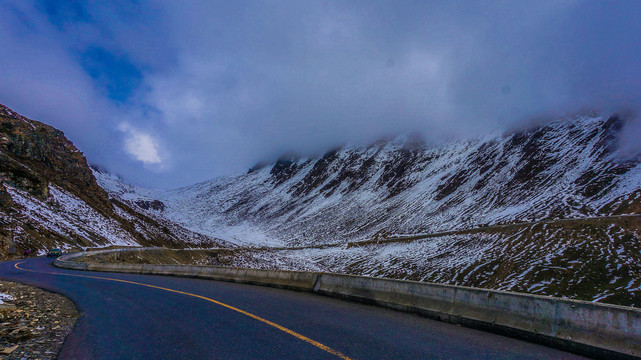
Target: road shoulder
(33, 322)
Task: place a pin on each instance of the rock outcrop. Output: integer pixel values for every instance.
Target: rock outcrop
(49, 197)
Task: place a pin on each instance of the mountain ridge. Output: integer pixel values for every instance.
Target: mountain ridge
(560, 169)
(493, 208)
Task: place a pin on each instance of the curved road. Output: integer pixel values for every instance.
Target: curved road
(127, 316)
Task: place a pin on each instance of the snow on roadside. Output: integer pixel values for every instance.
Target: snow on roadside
(5, 297)
(66, 214)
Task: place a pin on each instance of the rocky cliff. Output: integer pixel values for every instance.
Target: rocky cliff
(49, 197)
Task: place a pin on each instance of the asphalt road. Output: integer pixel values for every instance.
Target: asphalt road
(127, 316)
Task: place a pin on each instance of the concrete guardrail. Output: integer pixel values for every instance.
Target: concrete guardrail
(592, 329)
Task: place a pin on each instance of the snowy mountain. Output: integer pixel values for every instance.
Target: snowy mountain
(563, 169)
(547, 210)
(553, 209)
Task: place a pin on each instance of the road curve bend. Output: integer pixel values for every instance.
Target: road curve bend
(128, 316)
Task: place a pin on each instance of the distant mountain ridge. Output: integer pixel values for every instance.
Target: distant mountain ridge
(566, 168)
(533, 180)
(562, 169)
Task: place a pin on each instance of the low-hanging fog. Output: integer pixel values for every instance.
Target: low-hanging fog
(168, 93)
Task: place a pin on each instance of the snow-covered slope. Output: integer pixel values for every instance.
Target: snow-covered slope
(531, 182)
(594, 260)
(553, 209)
(564, 169)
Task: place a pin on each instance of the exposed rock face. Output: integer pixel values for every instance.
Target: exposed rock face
(35, 155)
(49, 197)
(151, 205)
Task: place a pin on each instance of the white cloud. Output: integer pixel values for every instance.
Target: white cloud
(142, 146)
(221, 85)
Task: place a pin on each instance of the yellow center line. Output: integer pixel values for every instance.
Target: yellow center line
(255, 317)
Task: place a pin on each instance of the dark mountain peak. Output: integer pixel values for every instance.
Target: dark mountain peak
(615, 123)
(282, 165)
(8, 113)
(99, 168)
(259, 165)
(36, 153)
(414, 141)
(285, 167)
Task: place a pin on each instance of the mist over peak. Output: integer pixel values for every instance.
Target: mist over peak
(170, 94)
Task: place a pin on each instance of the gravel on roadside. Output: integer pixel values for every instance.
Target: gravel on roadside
(33, 322)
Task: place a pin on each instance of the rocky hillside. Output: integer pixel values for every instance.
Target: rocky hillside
(567, 168)
(549, 210)
(553, 209)
(49, 197)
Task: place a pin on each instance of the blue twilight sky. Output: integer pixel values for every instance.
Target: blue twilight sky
(168, 93)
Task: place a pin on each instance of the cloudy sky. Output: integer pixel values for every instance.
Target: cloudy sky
(168, 93)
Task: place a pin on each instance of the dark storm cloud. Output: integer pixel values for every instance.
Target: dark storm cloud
(191, 90)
